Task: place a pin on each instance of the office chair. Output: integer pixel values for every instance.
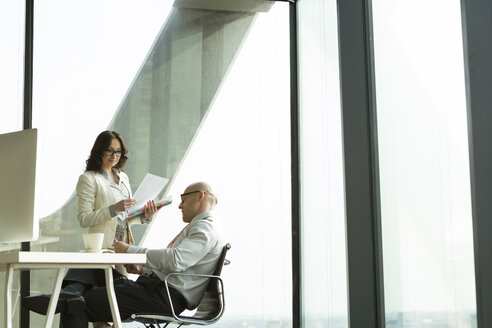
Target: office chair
(209, 310)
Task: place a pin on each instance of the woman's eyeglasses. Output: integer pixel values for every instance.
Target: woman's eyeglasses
(110, 152)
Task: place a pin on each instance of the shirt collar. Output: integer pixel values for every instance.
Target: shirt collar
(105, 174)
(202, 216)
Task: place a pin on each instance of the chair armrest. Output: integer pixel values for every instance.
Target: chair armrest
(191, 275)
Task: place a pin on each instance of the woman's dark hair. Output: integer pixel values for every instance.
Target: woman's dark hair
(103, 141)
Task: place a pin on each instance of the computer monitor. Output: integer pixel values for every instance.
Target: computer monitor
(17, 186)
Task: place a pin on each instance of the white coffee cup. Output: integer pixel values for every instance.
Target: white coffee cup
(93, 242)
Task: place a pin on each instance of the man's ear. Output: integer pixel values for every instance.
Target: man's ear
(202, 195)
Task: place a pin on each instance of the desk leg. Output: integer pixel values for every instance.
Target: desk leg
(9, 276)
(54, 298)
(112, 298)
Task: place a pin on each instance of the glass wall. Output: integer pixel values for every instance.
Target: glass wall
(242, 148)
(424, 169)
(12, 20)
(197, 95)
(81, 74)
(324, 283)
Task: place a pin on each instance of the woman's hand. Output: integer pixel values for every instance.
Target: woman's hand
(124, 204)
(121, 247)
(150, 209)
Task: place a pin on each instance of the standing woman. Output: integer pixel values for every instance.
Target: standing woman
(104, 193)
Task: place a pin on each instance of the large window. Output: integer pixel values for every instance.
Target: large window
(81, 74)
(324, 283)
(243, 150)
(197, 95)
(424, 169)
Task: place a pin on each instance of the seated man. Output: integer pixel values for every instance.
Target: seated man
(196, 249)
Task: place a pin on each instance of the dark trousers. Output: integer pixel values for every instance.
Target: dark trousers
(90, 277)
(146, 295)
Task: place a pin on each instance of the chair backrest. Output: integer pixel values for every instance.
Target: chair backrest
(222, 260)
(212, 303)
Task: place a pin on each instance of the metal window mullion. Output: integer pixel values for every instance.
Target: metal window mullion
(295, 173)
(25, 277)
(363, 231)
(477, 24)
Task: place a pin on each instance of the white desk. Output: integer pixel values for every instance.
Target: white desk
(63, 261)
(41, 243)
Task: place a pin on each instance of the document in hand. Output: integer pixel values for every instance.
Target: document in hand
(159, 204)
(149, 189)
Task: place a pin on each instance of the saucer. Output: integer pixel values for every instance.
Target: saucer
(103, 250)
(92, 251)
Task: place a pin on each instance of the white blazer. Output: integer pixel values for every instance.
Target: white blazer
(94, 196)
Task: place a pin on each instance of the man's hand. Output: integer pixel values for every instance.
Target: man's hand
(134, 268)
(121, 247)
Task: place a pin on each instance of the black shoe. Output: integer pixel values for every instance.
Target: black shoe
(67, 302)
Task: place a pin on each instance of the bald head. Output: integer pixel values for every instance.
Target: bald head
(197, 198)
(209, 193)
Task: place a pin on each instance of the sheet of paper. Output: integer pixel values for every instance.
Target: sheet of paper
(150, 187)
